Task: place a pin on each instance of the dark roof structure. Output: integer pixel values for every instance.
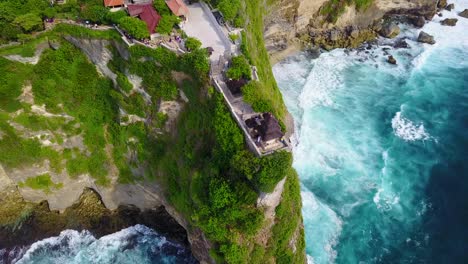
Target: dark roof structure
(269, 128)
(147, 13)
(266, 126)
(236, 85)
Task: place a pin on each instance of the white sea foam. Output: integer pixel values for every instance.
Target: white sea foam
(407, 130)
(131, 244)
(324, 78)
(315, 214)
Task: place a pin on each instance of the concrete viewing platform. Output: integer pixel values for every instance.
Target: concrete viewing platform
(243, 113)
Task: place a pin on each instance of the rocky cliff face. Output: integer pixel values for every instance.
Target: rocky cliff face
(291, 25)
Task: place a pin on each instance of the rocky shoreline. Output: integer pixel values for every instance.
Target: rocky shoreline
(351, 30)
(23, 223)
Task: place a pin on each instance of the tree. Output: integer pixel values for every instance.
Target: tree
(29, 22)
(95, 13)
(229, 8)
(166, 23)
(197, 60)
(9, 31)
(240, 68)
(192, 43)
(245, 163)
(134, 27)
(273, 169)
(114, 17)
(161, 7)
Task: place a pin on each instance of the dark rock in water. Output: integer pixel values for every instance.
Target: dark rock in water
(442, 4)
(385, 49)
(401, 44)
(464, 13)
(391, 60)
(426, 38)
(450, 7)
(440, 14)
(389, 30)
(449, 22)
(314, 52)
(418, 21)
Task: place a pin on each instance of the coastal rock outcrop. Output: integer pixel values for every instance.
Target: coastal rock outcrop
(389, 30)
(449, 22)
(464, 13)
(425, 38)
(23, 222)
(292, 25)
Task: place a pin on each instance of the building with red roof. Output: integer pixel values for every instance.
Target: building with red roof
(177, 7)
(147, 13)
(113, 3)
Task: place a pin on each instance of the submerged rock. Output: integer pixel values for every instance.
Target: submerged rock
(449, 22)
(464, 13)
(389, 30)
(450, 7)
(391, 60)
(426, 38)
(401, 44)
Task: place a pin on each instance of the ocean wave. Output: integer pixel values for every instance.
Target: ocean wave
(137, 244)
(323, 239)
(407, 130)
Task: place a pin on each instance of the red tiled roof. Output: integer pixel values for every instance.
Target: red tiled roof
(177, 7)
(146, 13)
(111, 3)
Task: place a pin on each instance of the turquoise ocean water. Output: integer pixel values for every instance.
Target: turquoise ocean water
(382, 150)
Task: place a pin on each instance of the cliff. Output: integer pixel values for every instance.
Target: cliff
(90, 149)
(297, 24)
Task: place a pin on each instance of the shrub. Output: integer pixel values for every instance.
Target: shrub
(134, 27)
(240, 68)
(192, 43)
(233, 37)
(123, 82)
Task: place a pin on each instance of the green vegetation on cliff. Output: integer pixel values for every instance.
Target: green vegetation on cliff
(333, 9)
(41, 182)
